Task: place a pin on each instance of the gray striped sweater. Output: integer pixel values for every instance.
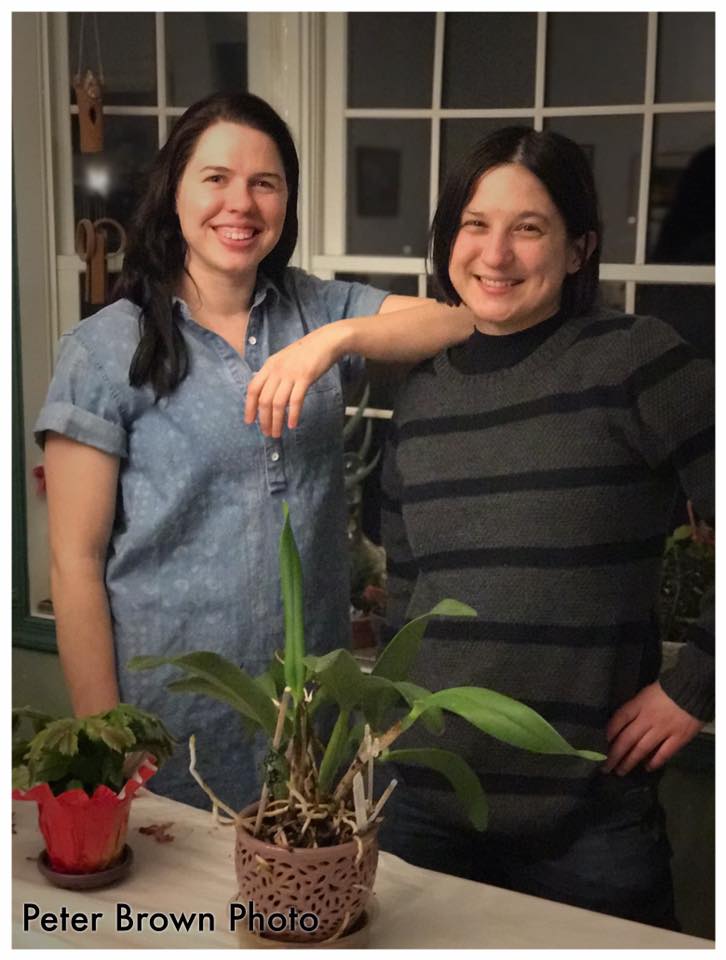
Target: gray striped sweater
(541, 495)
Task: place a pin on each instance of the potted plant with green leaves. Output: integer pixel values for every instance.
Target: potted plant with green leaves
(308, 848)
(83, 773)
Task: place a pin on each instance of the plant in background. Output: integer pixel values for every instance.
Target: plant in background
(318, 791)
(83, 774)
(687, 574)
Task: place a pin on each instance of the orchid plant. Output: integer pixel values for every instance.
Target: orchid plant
(318, 790)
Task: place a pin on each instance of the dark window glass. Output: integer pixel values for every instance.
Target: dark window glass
(681, 209)
(595, 58)
(390, 59)
(612, 294)
(109, 183)
(388, 187)
(489, 60)
(128, 54)
(405, 284)
(459, 136)
(690, 308)
(612, 145)
(686, 57)
(206, 52)
(88, 308)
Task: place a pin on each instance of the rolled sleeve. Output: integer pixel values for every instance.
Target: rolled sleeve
(82, 403)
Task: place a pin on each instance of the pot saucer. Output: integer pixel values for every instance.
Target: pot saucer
(86, 881)
(355, 939)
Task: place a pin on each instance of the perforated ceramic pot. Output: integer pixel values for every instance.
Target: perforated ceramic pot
(331, 883)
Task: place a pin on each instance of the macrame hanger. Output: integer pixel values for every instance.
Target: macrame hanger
(89, 95)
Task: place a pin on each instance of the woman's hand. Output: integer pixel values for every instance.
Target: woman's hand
(280, 384)
(651, 727)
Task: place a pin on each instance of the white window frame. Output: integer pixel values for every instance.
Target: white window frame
(331, 257)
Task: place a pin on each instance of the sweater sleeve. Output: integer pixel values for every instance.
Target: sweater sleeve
(674, 405)
(401, 566)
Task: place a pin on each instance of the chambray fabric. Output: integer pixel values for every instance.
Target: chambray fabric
(193, 557)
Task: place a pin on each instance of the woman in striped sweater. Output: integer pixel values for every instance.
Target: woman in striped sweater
(532, 473)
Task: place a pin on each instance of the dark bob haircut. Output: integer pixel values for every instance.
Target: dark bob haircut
(563, 169)
(156, 253)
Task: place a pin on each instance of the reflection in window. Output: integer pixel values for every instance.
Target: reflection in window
(128, 54)
(108, 184)
(595, 58)
(612, 145)
(489, 60)
(390, 59)
(686, 57)
(459, 136)
(690, 308)
(388, 187)
(681, 208)
(206, 52)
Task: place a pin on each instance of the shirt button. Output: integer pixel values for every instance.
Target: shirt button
(274, 456)
(252, 340)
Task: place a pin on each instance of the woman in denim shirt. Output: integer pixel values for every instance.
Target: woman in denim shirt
(164, 500)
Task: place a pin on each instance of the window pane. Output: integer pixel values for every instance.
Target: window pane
(595, 58)
(686, 57)
(691, 309)
(682, 214)
(388, 186)
(128, 54)
(405, 284)
(206, 52)
(489, 60)
(459, 136)
(612, 294)
(107, 184)
(390, 59)
(88, 308)
(612, 145)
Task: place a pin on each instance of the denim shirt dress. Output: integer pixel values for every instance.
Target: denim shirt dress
(193, 556)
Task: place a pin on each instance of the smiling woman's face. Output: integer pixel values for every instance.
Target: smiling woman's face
(512, 253)
(231, 201)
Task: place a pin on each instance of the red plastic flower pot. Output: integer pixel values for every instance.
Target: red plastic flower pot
(85, 834)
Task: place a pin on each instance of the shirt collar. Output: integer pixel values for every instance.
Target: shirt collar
(264, 287)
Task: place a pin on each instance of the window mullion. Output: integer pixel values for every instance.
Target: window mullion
(438, 80)
(161, 76)
(646, 154)
(539, 71)
(335, 133)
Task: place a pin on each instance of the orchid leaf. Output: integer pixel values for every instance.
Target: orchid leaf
(226, 682)
(456, 770)
(398, 657)
(292, 603)
(501, 717)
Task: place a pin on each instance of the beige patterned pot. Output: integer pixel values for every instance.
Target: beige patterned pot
(331, 884)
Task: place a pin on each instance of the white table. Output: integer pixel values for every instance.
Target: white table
(195, 873)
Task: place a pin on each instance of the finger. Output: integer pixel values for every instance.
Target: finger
(665, 751)
(253, 392)
(264, 404)
(620, 719)
(641, 751)
(623, 744)
(279, 406)
(296, 404)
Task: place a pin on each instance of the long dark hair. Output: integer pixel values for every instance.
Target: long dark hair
(156, 250)
(563, 169)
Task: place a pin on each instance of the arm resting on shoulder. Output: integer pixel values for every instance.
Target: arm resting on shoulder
(405, 330)
(81, 483)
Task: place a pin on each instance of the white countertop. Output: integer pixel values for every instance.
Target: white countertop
(195, 873)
